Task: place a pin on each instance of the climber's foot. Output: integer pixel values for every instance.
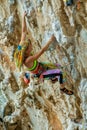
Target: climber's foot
(54, 80)
(77, 120)
(68, 92)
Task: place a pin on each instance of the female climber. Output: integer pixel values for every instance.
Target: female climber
(24, 55)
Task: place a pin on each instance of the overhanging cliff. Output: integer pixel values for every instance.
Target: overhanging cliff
(42, 106)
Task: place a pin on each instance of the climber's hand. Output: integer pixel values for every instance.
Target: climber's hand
(53, 37)
(25, 13)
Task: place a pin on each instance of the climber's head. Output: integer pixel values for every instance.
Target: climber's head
(28, 49)
(22, 50)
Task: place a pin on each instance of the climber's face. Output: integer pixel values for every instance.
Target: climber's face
(29, 49)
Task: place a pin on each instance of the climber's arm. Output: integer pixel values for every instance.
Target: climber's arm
(38, 54)
(49, 42)
(24, 28)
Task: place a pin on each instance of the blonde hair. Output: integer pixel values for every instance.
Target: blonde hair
(19, 53)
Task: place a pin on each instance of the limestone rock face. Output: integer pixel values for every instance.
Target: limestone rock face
(42, 106)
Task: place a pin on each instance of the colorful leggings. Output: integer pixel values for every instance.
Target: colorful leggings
(50, 71)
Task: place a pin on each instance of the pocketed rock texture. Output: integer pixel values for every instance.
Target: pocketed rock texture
(42, 106)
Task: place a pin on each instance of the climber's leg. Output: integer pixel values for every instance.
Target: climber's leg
(62, 88)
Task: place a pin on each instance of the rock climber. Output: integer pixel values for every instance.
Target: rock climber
(24, 56)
